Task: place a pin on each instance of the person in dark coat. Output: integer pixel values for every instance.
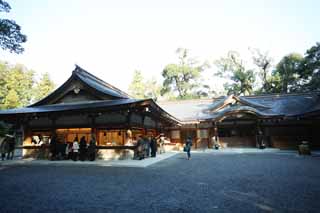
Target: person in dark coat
(147, 141)
(12, 146)
(92, 149)
(4, 147)
(153, 146)
(53, 147)
(188, 147)
(139, 151)
(69, 151)
(83, 148)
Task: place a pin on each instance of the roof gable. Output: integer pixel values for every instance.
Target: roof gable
(263, 106)
(233, 100)
(82, 86)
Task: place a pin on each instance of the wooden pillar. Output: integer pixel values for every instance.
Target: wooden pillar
(259, 134)
(196, 139)
(157, 128)
(26, 136)
(93, 127)
(144, 129)
(128, 120)
(53, 125)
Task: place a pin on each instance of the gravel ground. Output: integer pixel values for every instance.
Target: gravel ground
(207, 183)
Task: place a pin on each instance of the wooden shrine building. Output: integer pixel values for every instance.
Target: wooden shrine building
(86, 105)
(278, 120)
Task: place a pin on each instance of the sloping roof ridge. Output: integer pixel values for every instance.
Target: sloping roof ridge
(282, 94)
(80, 71)
(80, 102)
(186, 100)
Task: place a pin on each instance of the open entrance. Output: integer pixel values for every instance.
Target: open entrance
(237, 130)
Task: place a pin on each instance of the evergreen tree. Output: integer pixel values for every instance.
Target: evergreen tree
(183, 77)
(289, 71)
(137, 87)
(43, 87)
(11, 37)
(310, 68)
(11, 100)
(140, 88)
(233, 68)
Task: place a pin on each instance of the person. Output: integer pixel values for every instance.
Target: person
(161, 143)
(11, 147)
(215, 141)
(40, 140)
(53, 147)
(4, 147)
(75, 149)
(147, 141)
(153, 145)
(188, 147)
(92, 149)
(69, 151)
(139, 151)
(83, 148)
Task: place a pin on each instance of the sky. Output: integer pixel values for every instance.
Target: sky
(111, 39)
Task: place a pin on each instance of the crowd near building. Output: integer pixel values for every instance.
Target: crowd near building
(89, 108)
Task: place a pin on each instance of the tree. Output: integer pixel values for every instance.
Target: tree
(140, 88)
(310, 68)
(289, 71)
(233, 68)
(264, 62)
(11, 100)
(274, 82)
(3, 74)
(20, 80)
(11, 37)
(183, 77)
(152, 89)
(18, 87)
(43, 87)
(137, 87)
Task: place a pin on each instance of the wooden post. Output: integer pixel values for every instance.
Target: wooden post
(93, 127)
(53, 125)
(128, 121)
(144, 129)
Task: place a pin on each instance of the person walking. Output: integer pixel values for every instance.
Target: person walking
(188, 147)
(75, 149)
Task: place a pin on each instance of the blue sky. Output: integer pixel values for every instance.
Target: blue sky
(113, 38)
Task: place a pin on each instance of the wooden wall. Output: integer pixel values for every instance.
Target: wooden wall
(235, 141)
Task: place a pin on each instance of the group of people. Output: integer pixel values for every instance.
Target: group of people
(7, 147)
(147, 146)
(75, 150)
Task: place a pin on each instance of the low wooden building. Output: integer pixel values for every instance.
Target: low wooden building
(279, 121)
(86, 105)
